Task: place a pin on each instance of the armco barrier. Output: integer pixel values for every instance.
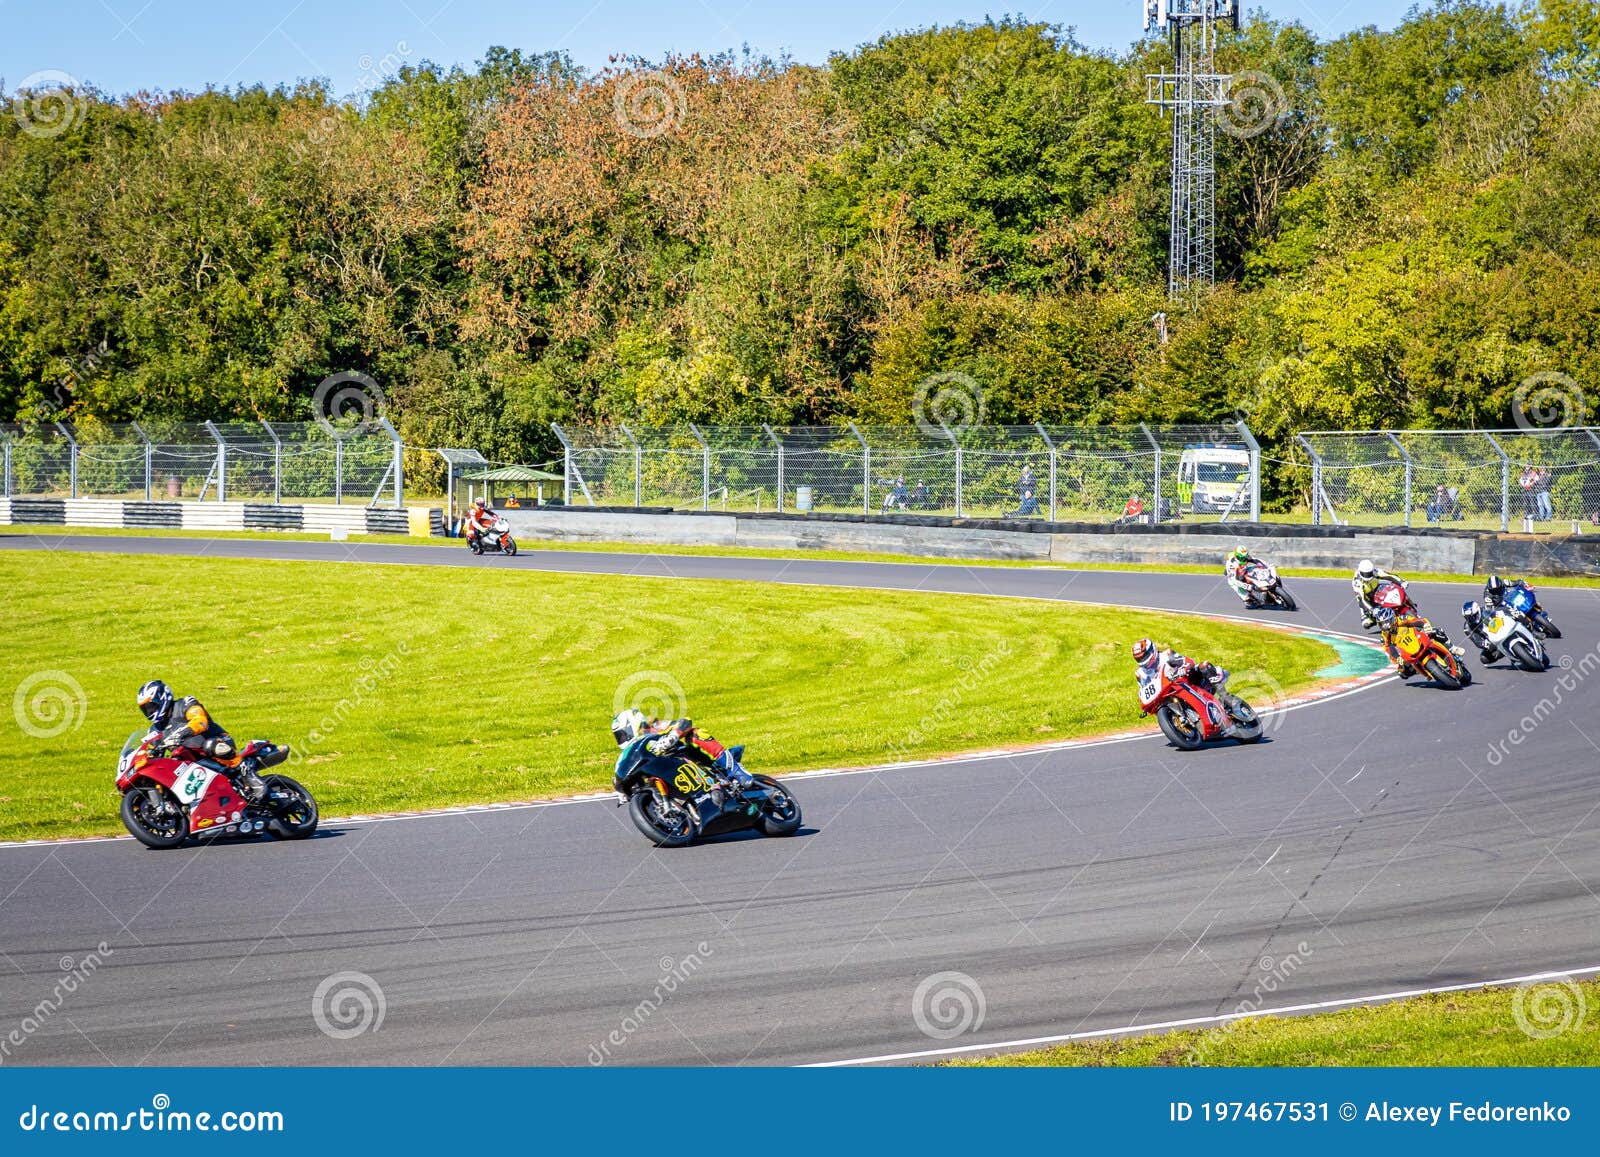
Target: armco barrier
(1435, 551)
(317, 518)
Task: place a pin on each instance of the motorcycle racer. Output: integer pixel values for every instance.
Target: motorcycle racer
(479, 519)
(186, 723)
(675, 737)
(1472, 616)
(1153, 660)
(1364, 582)
(1234, 569)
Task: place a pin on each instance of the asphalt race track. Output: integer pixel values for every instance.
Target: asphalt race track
(1370, 846)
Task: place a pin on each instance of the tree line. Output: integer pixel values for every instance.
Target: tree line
(1408, 232)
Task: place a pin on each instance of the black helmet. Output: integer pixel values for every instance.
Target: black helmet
(155, 700)
(1495, 587)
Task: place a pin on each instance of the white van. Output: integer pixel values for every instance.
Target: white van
(1213, 478)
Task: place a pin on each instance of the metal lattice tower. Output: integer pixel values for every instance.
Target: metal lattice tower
(1193, 91)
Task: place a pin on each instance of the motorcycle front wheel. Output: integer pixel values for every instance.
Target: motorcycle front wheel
(297, 811)
(1439, 672)
(670, 827)
(1285, 599)
(509, 545)
(1523, 655)
(1180, 726)
(152, 816)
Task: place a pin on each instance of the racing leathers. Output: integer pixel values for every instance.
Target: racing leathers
(1234, 571)
(480, 520)
(681, 736)
(1472, 618)
(1171, 664)
(192, 727)
(1365, 585)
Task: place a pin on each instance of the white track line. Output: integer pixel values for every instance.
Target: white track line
(1194, 1022)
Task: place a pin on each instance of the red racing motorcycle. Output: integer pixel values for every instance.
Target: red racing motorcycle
(1190, 715)
(170, 795)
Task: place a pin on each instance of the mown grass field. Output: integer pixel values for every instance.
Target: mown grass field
(410, 687)
(1483, 1027)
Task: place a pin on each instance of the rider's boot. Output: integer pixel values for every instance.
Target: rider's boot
(250, 785)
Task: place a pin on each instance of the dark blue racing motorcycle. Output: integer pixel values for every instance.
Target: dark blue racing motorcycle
(1524, 604)
(674, 799)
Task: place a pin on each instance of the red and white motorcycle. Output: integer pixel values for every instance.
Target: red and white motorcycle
(170, 795)
(1189, 714)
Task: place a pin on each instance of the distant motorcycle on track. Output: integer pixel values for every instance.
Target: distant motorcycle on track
(1268, 589)
(496, 540)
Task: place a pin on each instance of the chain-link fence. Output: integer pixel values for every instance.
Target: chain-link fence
(1463, 479)
(1061, 473)
(224, 461)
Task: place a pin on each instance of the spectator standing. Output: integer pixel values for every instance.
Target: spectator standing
(1527, 481)
(1541, 490)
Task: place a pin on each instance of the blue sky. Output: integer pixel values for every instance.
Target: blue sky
(128, 45)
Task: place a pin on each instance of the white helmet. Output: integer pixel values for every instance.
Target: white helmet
(1366, 569)
(627, 725)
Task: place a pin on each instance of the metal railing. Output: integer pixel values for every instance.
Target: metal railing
(1060, 473)
(221, 461)
(1523, 479)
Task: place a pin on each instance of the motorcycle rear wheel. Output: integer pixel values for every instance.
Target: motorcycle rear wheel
(643, 809)
(1548, 629)
(294, 821)
(139, 816)
(1436, 670)
(1180, 727)
(784, 818)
